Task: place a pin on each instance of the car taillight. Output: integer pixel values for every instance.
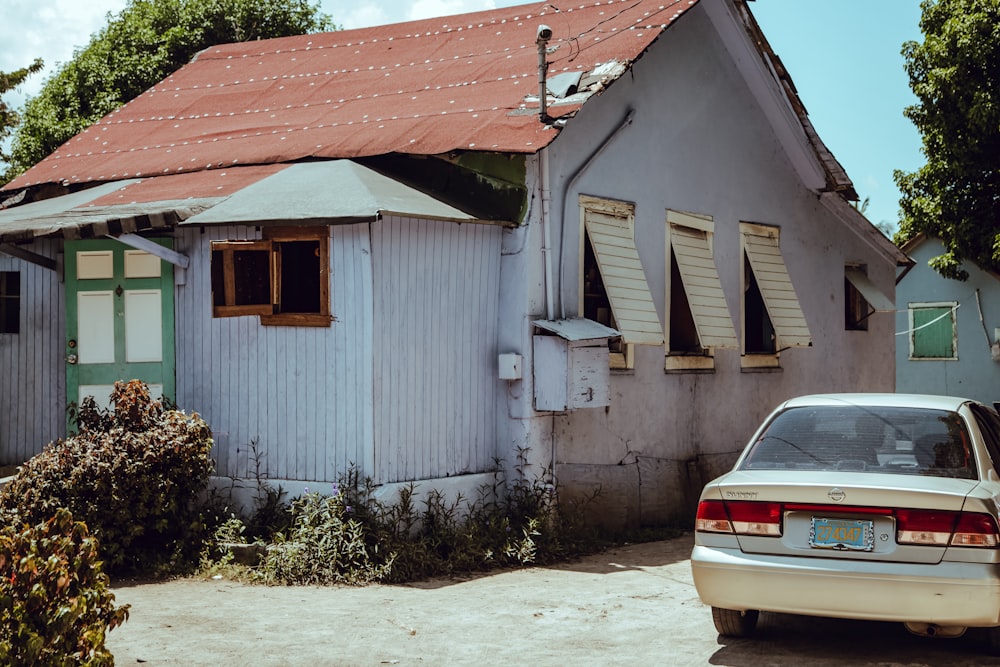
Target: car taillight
(976, 530)
(742, 517)
(712, 517)
(959, 529)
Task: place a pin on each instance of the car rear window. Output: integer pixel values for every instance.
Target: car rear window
(904, 441)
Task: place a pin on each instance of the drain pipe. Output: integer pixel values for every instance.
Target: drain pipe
(625, 122)
(542, 42)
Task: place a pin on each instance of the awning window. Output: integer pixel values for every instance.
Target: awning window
(782, 305)
(632, 305)
(872, 294)
(702, 287)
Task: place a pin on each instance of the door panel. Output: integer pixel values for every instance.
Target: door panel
(143, 326)
(95, 335)
(119, 320)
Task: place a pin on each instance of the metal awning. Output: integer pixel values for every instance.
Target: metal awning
(320, 192)
(577, 329)
(325, 192)
(872, 294)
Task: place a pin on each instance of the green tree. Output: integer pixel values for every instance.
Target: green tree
(9, 117)
(955, 75)
(142, 45)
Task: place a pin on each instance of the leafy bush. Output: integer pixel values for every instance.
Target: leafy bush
(132, 475)
(324, 545)
(55, 606)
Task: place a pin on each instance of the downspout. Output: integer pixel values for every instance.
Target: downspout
(541, 41)
(569, 186)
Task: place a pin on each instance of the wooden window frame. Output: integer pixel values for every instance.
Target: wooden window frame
(270, 314)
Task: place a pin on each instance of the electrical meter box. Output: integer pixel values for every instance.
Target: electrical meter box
(570, 364)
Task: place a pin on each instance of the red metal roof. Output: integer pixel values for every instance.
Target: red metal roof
(465, 82)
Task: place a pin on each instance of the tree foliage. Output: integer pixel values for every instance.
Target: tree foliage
(143, 44)
(9, 117)
(955, 75)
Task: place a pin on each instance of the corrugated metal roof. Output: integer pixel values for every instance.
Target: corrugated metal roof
(467, 82)
(323, 192)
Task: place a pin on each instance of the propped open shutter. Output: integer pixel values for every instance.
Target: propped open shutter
(776, 289)
(702, 287)
(624, 280)
(873, 295)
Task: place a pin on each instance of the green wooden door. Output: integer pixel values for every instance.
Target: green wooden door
(119, 319)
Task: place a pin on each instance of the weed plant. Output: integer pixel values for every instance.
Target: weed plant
(348, 536)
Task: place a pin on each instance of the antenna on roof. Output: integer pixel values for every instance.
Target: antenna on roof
(542, 41)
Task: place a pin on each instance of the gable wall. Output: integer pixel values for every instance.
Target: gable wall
(974, 374)
(33, 377)
(700, 143)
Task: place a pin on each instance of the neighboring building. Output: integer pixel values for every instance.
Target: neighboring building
(948, 330)
(378, 250)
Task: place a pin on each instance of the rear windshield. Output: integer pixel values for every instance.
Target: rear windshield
(905, 441)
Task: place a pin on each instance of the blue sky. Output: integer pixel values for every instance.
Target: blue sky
(843, 55)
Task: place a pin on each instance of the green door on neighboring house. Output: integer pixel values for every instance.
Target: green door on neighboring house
(119, 319)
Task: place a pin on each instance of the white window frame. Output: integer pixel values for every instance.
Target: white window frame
(953, 307)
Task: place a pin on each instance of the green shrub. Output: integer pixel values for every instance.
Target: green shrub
(132, 475)
(55, 606)
(324, 545)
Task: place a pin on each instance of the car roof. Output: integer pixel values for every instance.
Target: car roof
(927, 401)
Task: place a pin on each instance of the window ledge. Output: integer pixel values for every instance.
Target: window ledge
(689, 364)
(759, 363)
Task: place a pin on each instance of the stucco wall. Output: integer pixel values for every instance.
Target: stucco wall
(974, 374)
(699, 143)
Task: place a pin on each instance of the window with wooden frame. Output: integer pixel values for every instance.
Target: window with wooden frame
(283, 277)
(699, 318)
(772, 318)
(10, 302)
(613, 288)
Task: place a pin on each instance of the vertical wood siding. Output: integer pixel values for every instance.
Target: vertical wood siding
(304, 394)
(33, 377)
(435, 326)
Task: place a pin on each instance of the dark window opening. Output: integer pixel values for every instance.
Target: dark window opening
(683, 332)
(856, 308)
(596, 304)
(10, 302)
(758, 332)
(300, 291)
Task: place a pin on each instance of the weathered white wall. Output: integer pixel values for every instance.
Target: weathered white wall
(974, 374)
(304, 394)
(435, 380)
(401, 386)
(700, 143)
(32, 367)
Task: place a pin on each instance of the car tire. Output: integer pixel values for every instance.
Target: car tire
(992, 636)
(735, 623)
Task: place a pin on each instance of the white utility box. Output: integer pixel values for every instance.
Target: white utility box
(571, 368)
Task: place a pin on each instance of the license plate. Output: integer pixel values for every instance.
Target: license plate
(842, 534)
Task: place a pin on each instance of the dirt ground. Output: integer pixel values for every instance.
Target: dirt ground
(634, 605)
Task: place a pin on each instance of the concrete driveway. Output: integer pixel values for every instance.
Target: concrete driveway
(634, 605)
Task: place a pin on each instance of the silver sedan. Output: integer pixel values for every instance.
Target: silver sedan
(864, 506)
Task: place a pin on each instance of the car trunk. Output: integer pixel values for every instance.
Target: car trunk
(857, 516)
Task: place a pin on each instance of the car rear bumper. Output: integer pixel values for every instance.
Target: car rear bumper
(948, 593)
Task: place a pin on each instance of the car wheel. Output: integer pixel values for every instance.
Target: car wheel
(735, 623)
